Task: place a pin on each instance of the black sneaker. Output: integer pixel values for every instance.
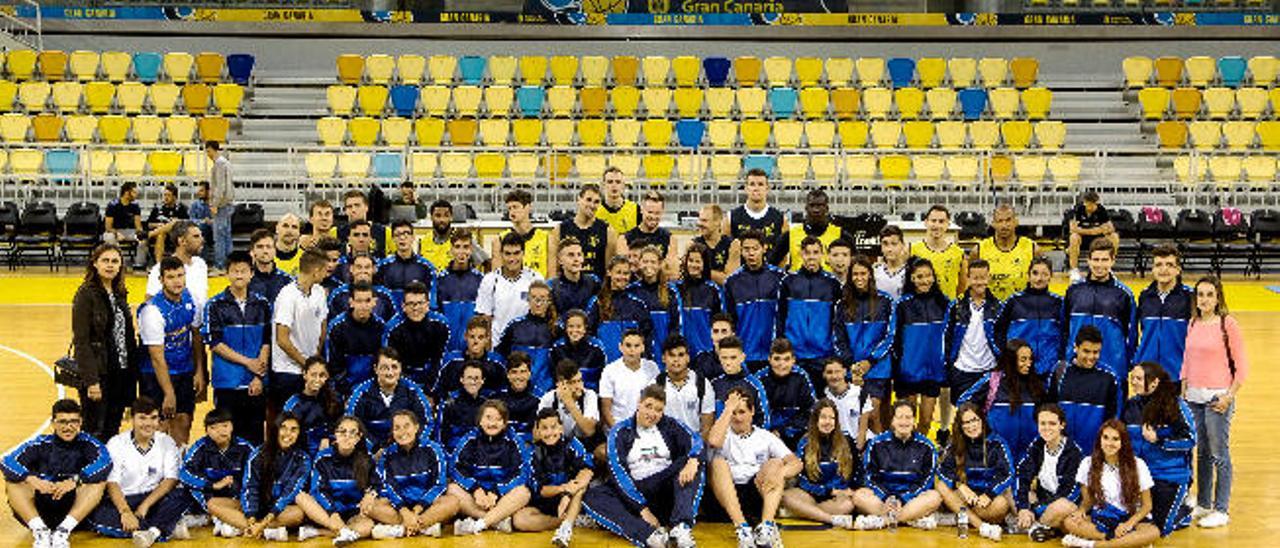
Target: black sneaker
(1042, 533)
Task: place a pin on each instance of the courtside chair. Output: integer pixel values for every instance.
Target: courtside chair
(471, 68)
(240, 68)
(902, 71)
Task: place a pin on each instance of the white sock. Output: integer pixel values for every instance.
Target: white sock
(37, 523)
(69, 523)
(480, 524)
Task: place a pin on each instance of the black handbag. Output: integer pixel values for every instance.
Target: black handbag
(66, 370)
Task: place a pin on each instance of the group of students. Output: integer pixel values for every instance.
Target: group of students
(773, 355)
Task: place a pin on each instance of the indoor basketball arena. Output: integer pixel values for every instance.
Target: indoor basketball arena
(660, 273)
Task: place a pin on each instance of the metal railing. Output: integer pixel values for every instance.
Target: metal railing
(25, 31)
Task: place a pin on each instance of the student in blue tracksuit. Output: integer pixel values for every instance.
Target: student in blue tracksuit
(697, 299)
(732, 360)
(807, 309)
(405, 265)
(237, 328)
(1087, 393)
(522, 405)
(898, 464)
(361, 269)
(317, 407)
(1034, 315)
(1163, 433)
(578, 347)
(864, 339)
(456, 288)
(1105, 303)
(751, 296)
(614, 310)
(276, 473)
(919, 341)
(458, 411)
(489, 473)
(832, 470)
(1115, 500)
(789, 391)
(976, 473)
(420, 336)
(654, 477)
(1046, 491)
(654, 290)
(479, 340)
(971, 342)
(343, 487)
(1009, 396)
(375, 400)
(412, 478)
(1164, 311)
(213, 467)
(533, 334)
(353, 340)
(559, 480)
(707, 364)
(574, 287)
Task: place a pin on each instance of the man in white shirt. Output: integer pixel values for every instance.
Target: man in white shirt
(141, 501)
(749, 470)
(853, 410)
(690, 398)
(891, 270)
(578, 406)
(504, 293)
(624, 379)
(299, 318)
(189, 243)
(971, 340)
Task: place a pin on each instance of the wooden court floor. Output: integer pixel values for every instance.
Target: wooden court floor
(35, 329)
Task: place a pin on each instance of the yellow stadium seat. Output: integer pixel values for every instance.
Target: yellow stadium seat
(559, 132)
(195, 98)
(561, 100)
(490, 166)
(918, 133)
(100, 162)
(410, 68)
(722, 133)
(8, 92)
(497, 100)
(97, 95)
(1171, 134)
(1000, 168)
(1269, 134)
(1154, 101)
(592, 132)
(877, 102)
(209, 67)
(1263, 69)
(951, 134)
(1137, 71)
(195, 163)
(14, 127)
(494, 132)
(164, 163)
(26, 161)
(755, 134)
(180, 129)
(590, 167)
(1004, 102)
(527, 132)
(628, 163)
(80, 128)
(839, 71)
(814, 102)
(379, 68)
(725, 168)
(533, 69)
(860, 169)
(624, 69)
(396, 130)
(1064, 169)
(686, 69)
(523, 166)
(910, 101)
(793, 169)
(870, 71)
(462, 131)
(113, 129)
(928, 168)
(1238, 134)
(808, 71)
(820, 133)
(147, 129)
(886, 133)
(21, 64)
(34, 95)
(321, 165)
(720, 101)
(423, 165)
(932, 71)
(746, 71)
(435, 100)
(466, 100)
(1252, 101)
(983, 134)
(441, 68)
(455, 167)
(787, 133)
(331, 130)
(656, 70)
(66, 96)
(853, 134)
(164, 96)
(1024, 71)
(751, 102)
(1168, 71)
(657, 132)
(657, 101)
(624, 132)
(1016, 134)
(84, 64)
(53, 65)
(214, 128)
(846, 103)
(115, 65)
(47, 127)
(177, 66)
(364, 131)
(1219, 102)
(1051, 134)
(428, 131)
(942, 102)
(1200, 70)
(692, 168)
(353, 165)
(130, 163)
(1225, 169)
(963, 71)
(658, 168)
(688, 102)
(594, 101)
(994, 71)
(777, 71)
(502, 69)
(594, 69)
(1036, 102)
(1030, 168)
(1260, 169)
(895, 167)
(564, 70)
(1190, 169)
(1205, 135)
(625, 100)
(1186, 103)
(227, 98)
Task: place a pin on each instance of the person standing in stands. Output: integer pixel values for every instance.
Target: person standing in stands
(124, 223)
(1034, 315)
(597, 237)
(1164, 310)
(1087, 392)
(237, 328)
(288, 250)
(1009, 254)
(173, 371)
(457, 287)
(725, 251)
(409, 197)
(1104, 302)
(267, 278)
(756, 215)
(361, 271)
(189, 242)
(751, 296)
(396, 271)
(299, 318)
(817, 224)
(202, 216)
(222, 195)
(891, 270)
(141, 500)
(574, 287)
(650, 233)
(356, 205)
(537, 242)
(504, 292)
(104, 342)
(807, 309)
(163, 216)
(615, 209)
(418, 335)
(946, 256)
(1089, 221)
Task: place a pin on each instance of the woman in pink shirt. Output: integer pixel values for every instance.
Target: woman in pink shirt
(1214, 369)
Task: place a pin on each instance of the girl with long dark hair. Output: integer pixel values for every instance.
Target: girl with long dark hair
(276, 473)
(866, 340)
(976, 473)
(343, 487)
(920, 323)
(578, 346)
(1009, 396)
(832, 470)
(1115, 501)
(317, 406)
(654, 290)
(614, 310)
(1163, 435)
(105, 345)
(697, 299)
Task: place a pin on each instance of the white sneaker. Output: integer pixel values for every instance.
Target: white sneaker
(345, 536)
(60, 538)
(867, 522)
(745, 538)
(585, 522)
(682, 536)
(144, 538)
(41, 537)
(195, 520)
(277, 534)
(991, 531)
(842, 521)
(1076, 542)
(504, 526)
(657, 539)
(180, 532)
(383, 531)
(564, 533)
(927, 523)
(1199, 512)
(1076, 276)
(433, 531)
(1214, 520)
(466, 526)
(766, 534)
(307, 532)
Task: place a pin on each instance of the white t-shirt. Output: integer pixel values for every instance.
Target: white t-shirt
(746, 454)
(847, 408)
(139, 473)
(649, 454)
(504, 300)
(624, 385)
(304, 315)
(683, 404)
(890, 282)
(151, 328)
(1048, 474)
(975, 354)
(1111, 480)
(197, 274)
(590, 407)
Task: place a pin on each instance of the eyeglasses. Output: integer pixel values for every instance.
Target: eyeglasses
(67, 422)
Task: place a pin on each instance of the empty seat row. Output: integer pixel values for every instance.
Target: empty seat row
(129, 97)
(104, 163)
(687, 71)
(1200, 71)
(112, 129)
(119, 66)
(1186, 103)
(1208, 134)
(722, 134)
(1225, 168)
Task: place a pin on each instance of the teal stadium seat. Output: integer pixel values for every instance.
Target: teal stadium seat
(763, 161)
(388, 165)
(902, 71)
(472, 69)
(61, 162)
(1231, 69)
(717, 71)
(530, 100)
(782, 102)
(146, 66)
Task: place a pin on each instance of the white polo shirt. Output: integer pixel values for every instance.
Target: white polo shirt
(747, 454)
(304, 315)
(649, 453)
(848, 408)
(504, 299)
(624, 385)
(1111, 490)
(197, 274)
(590, 407)
(137, 472)
(683, 404)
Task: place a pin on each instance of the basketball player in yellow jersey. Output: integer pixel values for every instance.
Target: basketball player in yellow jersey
(946, 256)
(817, 223)
(536, 245)
(435, 245)
(1008, 254)
(621, 214)
(288, 252)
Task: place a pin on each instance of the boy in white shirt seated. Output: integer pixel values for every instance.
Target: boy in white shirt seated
(854, 409)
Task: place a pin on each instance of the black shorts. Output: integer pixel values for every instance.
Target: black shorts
(549, 506)
(51, 511)
(929, 389)
(961, 381)
(184, 390)
(749, 500)
(876, 388)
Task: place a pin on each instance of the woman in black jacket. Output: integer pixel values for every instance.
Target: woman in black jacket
(103, 336)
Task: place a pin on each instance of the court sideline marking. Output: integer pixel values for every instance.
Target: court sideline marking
(62, 390)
